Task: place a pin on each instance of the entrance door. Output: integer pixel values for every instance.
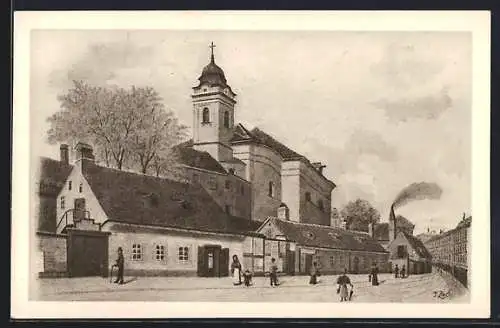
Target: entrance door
(87, 254)
(356, 264)
(290, 262)
(309, 260)
(79, 209)
(211, 260)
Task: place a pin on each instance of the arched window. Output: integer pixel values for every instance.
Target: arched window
(271, 189)
(226, 119)
(308, 196)
(206, 115)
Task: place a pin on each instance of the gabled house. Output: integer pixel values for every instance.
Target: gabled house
(409, 251)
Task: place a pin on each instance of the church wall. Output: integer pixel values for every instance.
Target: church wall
(237, 196)
(263, 167)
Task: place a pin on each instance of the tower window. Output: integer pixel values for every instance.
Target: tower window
(308, 196)
(226, 119)
(271, 190)
(206, 115)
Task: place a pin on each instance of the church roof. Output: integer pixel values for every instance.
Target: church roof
(189, 156)
(241, 134)
(314, 235)
(133, 198)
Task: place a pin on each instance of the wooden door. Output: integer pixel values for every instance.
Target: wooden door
(201, 262)
(309, 260)
(87, 255)
(224, 262)
(290, 262)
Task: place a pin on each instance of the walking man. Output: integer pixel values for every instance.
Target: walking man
(274, 273)
(119, 263)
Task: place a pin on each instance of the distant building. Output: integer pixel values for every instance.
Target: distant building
(409, 251)
(425, 236)
(450, 250)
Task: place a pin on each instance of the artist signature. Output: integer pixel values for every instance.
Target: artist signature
(441, 294)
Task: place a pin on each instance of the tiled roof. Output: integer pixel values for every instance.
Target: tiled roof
(189, 156)
(325, 236)
(140, 199)
(53, 174)
(418, 246)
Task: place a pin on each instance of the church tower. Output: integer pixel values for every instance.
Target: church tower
(213, 112)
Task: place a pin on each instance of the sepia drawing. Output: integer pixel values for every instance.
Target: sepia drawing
(240, 166)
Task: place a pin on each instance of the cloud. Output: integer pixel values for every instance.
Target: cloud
(102, 62)
(365, 142)
(426, 107)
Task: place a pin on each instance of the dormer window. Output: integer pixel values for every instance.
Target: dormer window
(80, 188)
(206, 115)
(226, 119)
(271, 190)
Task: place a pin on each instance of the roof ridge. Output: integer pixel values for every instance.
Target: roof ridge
(320, 226)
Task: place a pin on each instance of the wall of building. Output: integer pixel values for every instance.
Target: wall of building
(91, 202)
(237, 194)
(54, 251)
(46, 209)
(263, 166)
(172, 241)
(298, 179)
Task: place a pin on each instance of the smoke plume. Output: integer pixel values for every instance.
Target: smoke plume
(417, 191)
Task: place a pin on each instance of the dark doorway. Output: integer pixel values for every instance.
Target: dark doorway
(356, 264)
(290, 262)
(309, 260)
(79, 209)
(87, 253)
(213, 261)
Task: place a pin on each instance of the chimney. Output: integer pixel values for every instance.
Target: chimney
(283, 212)
(392, 224)
(370, 229)
(64, 154)
(319, 167)
(84, 155)
(428, 229)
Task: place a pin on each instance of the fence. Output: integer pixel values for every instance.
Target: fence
(459, 273)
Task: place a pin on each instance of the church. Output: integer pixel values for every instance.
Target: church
(244, 193)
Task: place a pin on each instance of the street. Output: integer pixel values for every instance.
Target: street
(418, 288)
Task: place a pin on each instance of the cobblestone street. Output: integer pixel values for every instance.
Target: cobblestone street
(418, 288)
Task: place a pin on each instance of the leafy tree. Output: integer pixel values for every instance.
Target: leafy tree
(359, 214)
(127, 127)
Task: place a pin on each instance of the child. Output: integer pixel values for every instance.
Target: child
(247, 276)
(274, 273)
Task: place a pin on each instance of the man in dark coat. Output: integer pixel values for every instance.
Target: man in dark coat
(120, 264)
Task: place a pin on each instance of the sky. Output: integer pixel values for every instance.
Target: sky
(381, 109)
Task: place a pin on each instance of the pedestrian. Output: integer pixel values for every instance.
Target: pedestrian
(247, 276)
(342, 283)
(273, 274)
(403, 271)
(236, 270)
(313, 280)
(374, 275)
(396, 272)
(120, 264)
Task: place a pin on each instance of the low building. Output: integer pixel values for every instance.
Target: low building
(333, 249)
(409, 252)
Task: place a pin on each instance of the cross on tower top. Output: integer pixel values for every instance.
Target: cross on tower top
(212, 46)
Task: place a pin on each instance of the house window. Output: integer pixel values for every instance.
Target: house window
(69, 185)
(320, 204)
(160, 253)
(80, 188)
(226, 119)
(332, 261)
(401, 251)
(183, 254)
(271, 189)
(136, 252)
(228, 184)
(63, 203)
(308, 196)
(206, 115)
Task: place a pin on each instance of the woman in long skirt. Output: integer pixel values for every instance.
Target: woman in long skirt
(374, 275)
(236, 271)
(342, 289)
